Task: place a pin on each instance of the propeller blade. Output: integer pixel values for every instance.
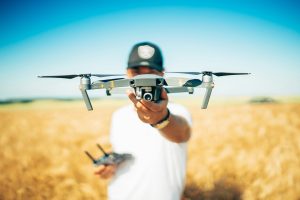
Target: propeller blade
(209, 73)
(192, 83)
(105, 75)
(70, 76)
(112, 79)
(191, 73)
(228, 73)
(60, 76)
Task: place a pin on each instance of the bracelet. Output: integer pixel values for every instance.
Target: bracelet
(162, 123)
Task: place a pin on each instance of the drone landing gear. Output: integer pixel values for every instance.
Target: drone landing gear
(206, 97)
(86, 99)
(85, 84)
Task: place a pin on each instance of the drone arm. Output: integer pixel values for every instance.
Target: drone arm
(206, 97)
(86, 99)
(177, 82)
(179, 89)
(110, 84)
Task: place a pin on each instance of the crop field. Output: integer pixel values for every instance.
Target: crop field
(237, 151)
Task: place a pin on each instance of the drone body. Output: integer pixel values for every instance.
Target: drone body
(109, 158)
(147, 86)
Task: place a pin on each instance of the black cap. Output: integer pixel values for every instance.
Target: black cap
(146, 54)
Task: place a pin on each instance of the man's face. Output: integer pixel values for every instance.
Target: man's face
(131, 72)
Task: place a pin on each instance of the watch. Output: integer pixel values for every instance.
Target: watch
(162, 123)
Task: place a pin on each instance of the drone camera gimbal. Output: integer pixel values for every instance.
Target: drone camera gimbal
(148, 89)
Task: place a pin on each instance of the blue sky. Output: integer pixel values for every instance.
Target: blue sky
(62, 37)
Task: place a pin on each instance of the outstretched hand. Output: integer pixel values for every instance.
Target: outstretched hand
(106, 171)
(148, 111)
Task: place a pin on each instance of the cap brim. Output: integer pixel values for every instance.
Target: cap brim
(147, 64)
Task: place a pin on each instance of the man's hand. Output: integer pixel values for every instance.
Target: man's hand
(106, 171)
(178, 130)
(148, 111)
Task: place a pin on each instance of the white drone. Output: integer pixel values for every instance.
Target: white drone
(147, 86)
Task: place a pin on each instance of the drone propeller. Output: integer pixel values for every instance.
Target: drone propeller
(192, 83)
(210, 73)
(70, 76)
(224, 73)
(112, 79)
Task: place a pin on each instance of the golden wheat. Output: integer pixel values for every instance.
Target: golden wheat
(236, 151)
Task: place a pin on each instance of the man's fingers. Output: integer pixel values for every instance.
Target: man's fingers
(151, 105)
(100, 169)
(141, 107)
(132, 97)
(106, 171)
(138, 105)
(109, 172)
(155, 107)
(161, 105)
(143, 113)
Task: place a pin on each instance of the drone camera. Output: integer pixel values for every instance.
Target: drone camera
(148, 93)
(148, 96)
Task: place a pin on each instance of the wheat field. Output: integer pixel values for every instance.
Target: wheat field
(237, 151)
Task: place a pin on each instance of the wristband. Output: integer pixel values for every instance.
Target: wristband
(162, 123)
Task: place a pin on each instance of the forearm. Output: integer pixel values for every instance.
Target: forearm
(178, 130)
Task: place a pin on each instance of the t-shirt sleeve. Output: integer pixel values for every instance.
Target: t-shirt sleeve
(181, 111)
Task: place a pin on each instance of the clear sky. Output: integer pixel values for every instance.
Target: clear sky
(67, 37)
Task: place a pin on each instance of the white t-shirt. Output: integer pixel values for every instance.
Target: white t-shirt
(158, 168)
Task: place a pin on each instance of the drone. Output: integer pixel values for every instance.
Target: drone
(109, 158)
(147, 86)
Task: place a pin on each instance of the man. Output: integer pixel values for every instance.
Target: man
(154, 133)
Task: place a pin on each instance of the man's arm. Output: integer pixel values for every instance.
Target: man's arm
(177, 130)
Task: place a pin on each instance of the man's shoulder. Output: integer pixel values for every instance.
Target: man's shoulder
(124, 110)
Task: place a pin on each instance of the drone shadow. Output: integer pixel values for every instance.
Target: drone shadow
(222, 190)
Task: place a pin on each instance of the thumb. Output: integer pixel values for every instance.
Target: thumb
(164, 95)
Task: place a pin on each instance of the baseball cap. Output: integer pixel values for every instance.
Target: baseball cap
(146, 54)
